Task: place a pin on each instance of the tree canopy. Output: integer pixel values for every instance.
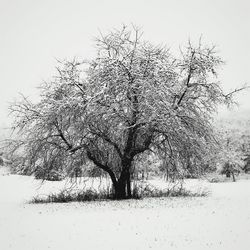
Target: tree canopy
(133, 99)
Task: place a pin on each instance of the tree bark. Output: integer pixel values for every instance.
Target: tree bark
(233, 175)
(129, 194)
(123, 185)
(120, 190)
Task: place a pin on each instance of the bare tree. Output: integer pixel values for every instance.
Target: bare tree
(133, 98)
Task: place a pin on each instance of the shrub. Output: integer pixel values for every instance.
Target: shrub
(52, 175)
(138, 192)
(66, 196)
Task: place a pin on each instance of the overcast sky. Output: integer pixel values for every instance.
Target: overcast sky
(35, 32)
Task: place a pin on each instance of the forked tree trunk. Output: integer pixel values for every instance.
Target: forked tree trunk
(122, 187)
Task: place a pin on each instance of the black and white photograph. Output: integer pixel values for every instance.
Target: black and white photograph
(124, 125)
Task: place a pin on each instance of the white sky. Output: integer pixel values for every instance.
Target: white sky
(34, 33)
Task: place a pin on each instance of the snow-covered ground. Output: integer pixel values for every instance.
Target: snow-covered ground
(219, 221)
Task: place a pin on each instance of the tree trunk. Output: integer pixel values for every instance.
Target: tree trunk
(129, 194)
(120, 190)
(234, 180)
(122, 187)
